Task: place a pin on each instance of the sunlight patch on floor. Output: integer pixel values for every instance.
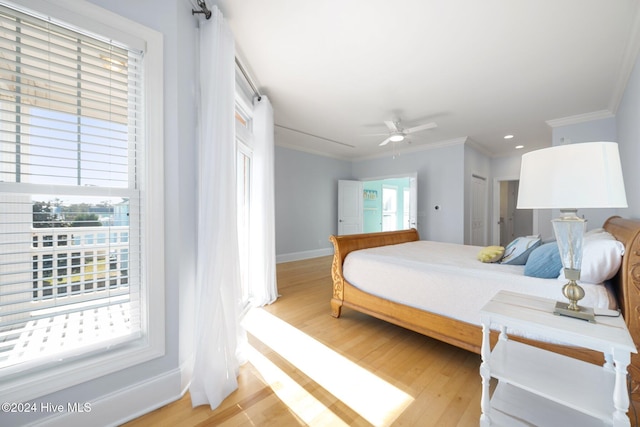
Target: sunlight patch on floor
(377, 401)
(300, 402)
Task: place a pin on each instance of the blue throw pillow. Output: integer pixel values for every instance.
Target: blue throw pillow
(517, 252)
(544, 262)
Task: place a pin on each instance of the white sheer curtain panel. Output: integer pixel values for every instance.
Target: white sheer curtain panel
(264, 288)
(218, 332)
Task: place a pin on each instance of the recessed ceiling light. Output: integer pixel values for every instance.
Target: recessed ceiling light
(508, 136)
(519, 147)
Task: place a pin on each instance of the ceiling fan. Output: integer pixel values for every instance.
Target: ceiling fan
(397, 133)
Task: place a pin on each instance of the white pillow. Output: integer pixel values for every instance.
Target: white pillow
(601, 257)
(598, 233)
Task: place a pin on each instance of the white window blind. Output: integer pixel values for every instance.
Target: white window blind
(71, 162)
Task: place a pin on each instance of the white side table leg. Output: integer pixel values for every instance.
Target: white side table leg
(608, 362)
(485, 373)
(503, 333)
(620, 391)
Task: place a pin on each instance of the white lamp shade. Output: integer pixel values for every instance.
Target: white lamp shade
(573, 176)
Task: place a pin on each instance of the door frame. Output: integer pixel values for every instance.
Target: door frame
(495, 225)
(413, 215)
(484, 208)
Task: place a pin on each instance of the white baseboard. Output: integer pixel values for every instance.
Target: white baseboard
(125, 405)
(297, 256)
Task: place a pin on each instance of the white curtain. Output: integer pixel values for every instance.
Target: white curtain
(218, 332)
(264, 289)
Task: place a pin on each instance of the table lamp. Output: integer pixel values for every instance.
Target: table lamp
(571, 177)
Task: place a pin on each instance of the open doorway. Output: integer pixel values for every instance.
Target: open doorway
(390, 204)
(509, 222)
(378, 204)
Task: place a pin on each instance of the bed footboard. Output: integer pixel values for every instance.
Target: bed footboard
(342, 245)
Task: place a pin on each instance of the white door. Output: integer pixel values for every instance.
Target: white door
(478, 210)
(350, 212)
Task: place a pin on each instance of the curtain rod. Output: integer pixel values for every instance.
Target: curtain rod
(203, 9)
(207, 14)
(248, 79)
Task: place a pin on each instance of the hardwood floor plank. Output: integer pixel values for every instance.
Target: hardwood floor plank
(442, 381)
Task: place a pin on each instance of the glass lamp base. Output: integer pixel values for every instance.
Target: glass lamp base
(584, 313)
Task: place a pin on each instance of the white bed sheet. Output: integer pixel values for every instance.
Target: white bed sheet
(447, 279)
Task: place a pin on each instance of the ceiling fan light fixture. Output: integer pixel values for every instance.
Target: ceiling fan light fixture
(398, 133)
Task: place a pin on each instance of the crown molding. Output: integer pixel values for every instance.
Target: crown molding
(480, 148)
(628, 62)
(580, 118)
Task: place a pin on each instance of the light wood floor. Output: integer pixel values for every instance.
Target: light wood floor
(416, 381)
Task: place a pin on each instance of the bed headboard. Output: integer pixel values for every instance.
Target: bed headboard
(627, 281)
(627, 286)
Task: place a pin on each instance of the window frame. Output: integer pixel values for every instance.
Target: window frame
(243, 149)
(387, 213)
(39, 382)
(244, 146)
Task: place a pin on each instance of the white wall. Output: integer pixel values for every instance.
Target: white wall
(506, 168)
(628, 126)
(306, 199)
(440, 184)
(307, 194)
(603, 129)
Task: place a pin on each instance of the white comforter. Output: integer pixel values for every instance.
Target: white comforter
(447, 279)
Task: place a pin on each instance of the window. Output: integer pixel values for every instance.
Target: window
(406, 208)
(243, 198)
(77, 252)
(389, 207)
(243, 183)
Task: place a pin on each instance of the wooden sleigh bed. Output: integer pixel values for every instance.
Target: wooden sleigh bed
(468, 336)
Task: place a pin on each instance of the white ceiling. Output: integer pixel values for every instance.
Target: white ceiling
(334, 70)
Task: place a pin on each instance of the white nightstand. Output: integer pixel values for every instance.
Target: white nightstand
(538, 387)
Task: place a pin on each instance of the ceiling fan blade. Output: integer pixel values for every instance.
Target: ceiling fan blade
(391, 125)
(375, 134)
(421, 127)
(385, 142)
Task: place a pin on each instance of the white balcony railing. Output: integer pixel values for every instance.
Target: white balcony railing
(79, 261)
(72, 288)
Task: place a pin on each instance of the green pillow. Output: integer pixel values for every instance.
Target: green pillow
(491, 254)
